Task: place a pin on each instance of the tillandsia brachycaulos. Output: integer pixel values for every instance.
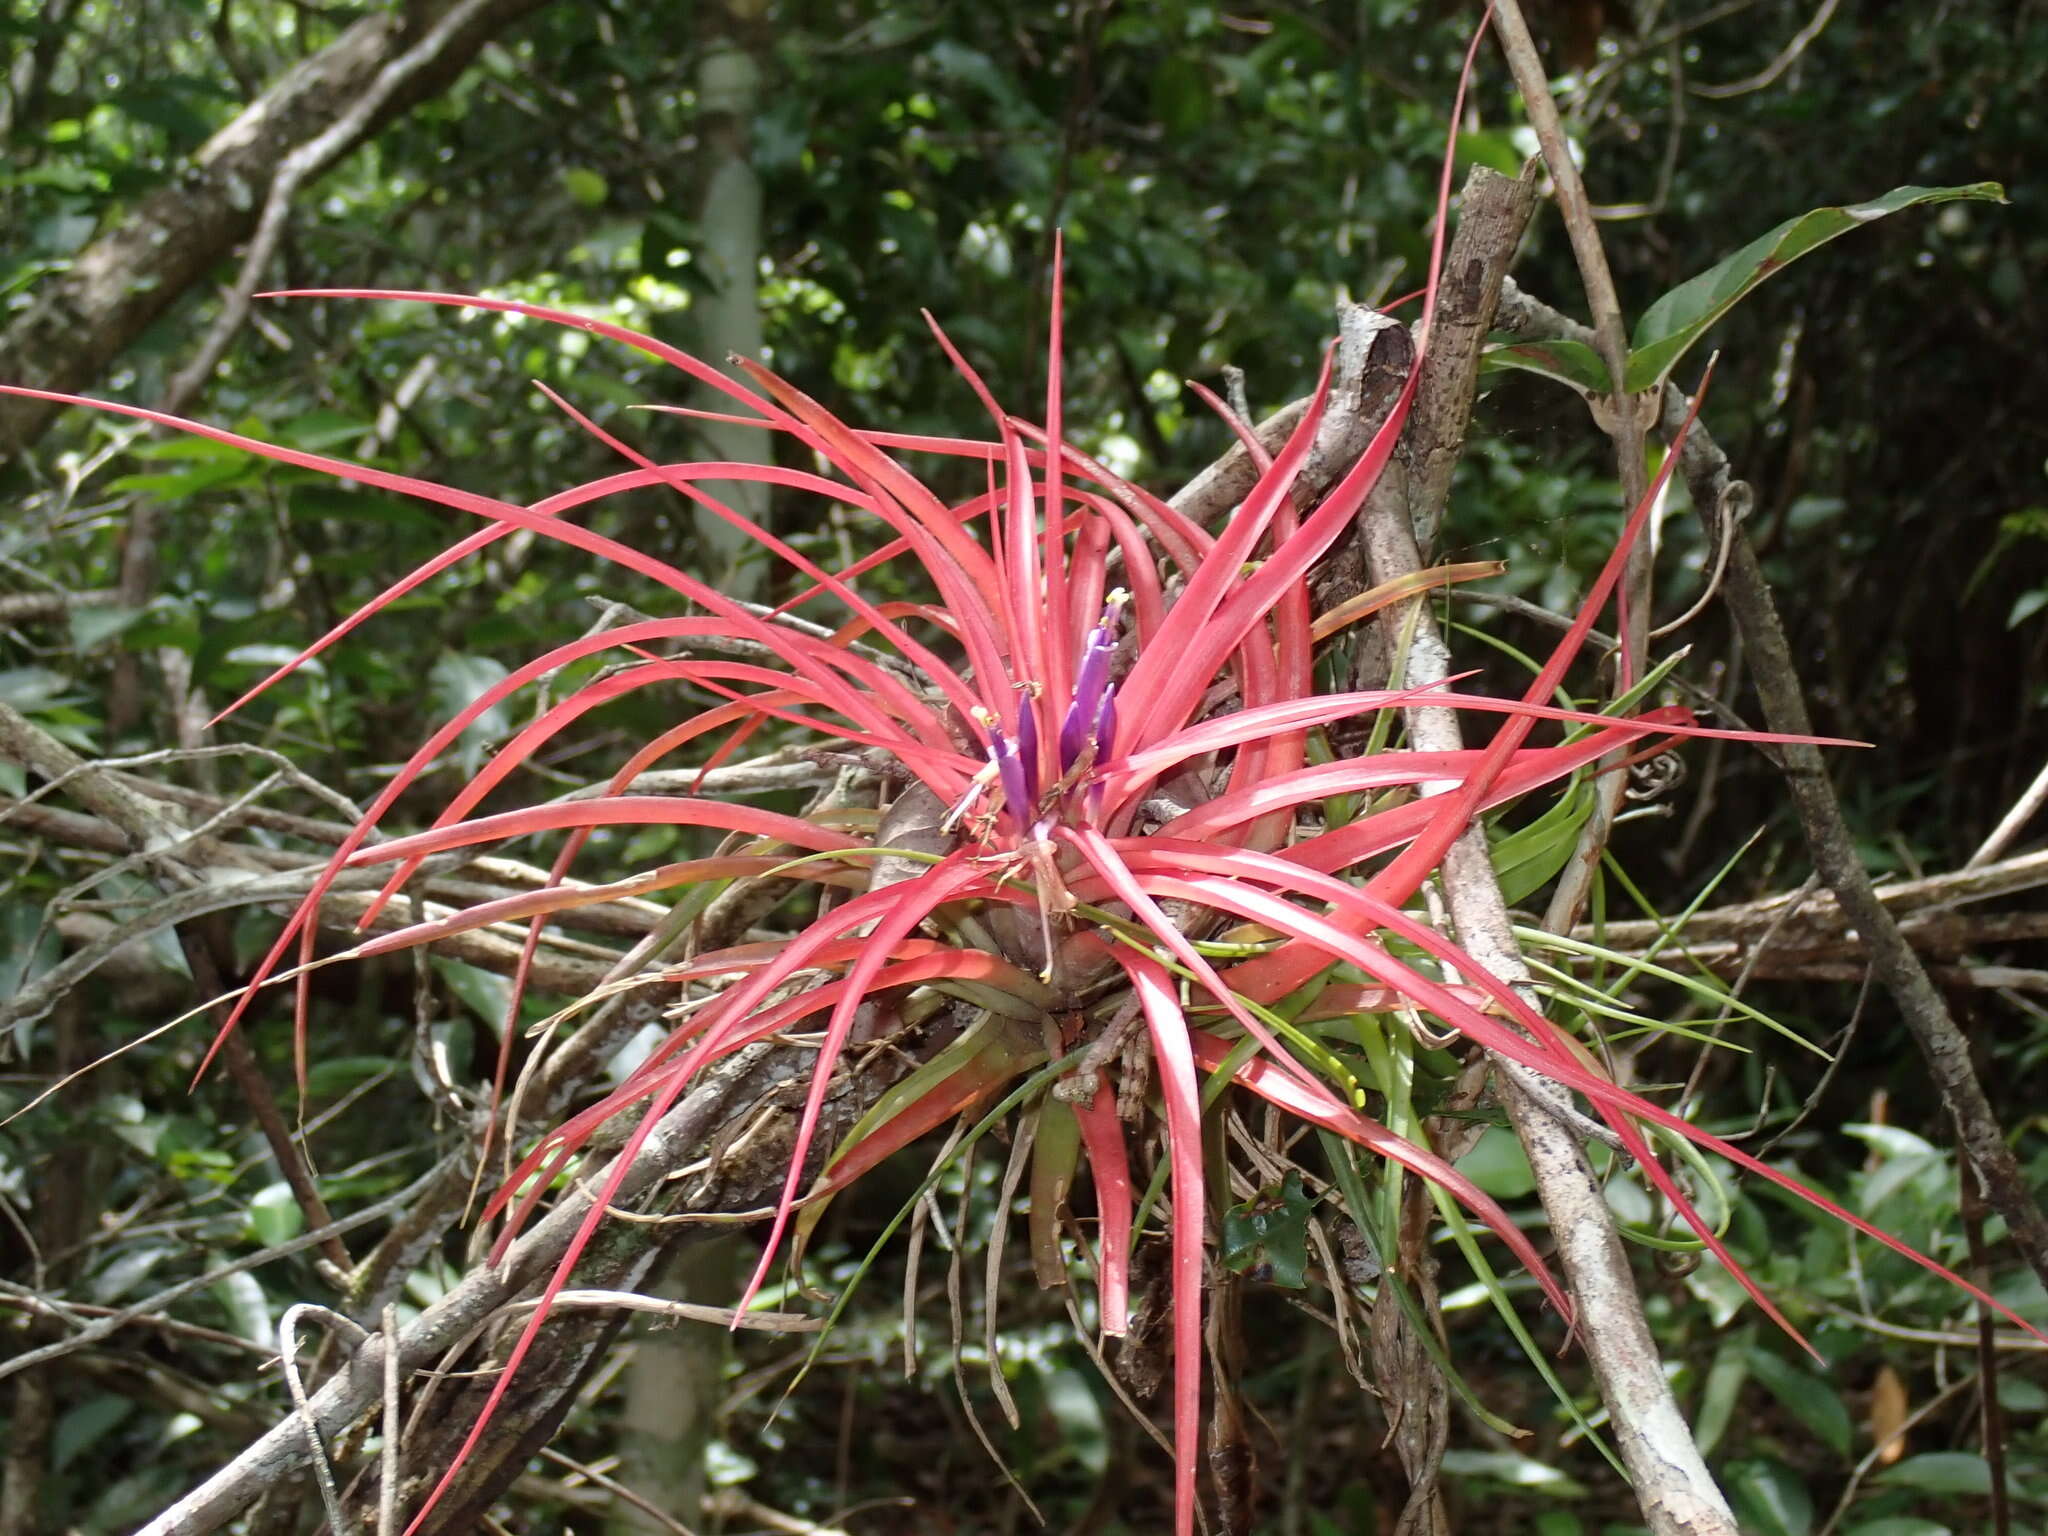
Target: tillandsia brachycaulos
(1102, 713)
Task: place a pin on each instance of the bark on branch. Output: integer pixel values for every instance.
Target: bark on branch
(1677, 1493)
(84, 317)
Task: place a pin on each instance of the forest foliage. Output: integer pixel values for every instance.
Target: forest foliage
(1210, 185)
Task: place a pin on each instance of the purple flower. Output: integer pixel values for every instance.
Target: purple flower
(1091, 718)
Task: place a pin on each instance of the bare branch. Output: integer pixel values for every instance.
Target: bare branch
(1677, 1493)
(82, 318)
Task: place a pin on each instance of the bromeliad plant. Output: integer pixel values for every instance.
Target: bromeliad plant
(1108, 771)
(1097, 725)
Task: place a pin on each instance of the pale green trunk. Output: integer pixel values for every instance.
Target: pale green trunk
(673, 1386)
(677, 1375)
(729, 315)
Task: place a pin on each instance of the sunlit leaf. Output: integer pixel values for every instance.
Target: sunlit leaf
(1952, 1473)
(1672, 325)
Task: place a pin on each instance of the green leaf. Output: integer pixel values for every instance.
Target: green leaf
(1720, 1292)
(1806, 1397)
(584, 185)
(1077, 1411)
(2025, 606)
(84, 1426)
(1267, 1236)
(1950, 1472)
(1498, 1165)
(321, 429)
(1899, 1525)
(28, 945)
(1671, 326)
(1495, 150)
(92, 624)
(241, 1296)
(1569, 362)
(274, 1216)
(334, 1075)
(1529, 858)
(458, 679)
(1182, 95)
(176, 486)
(2018, 1395)
(1722, 1390)
(269, 656)
(1770, 1498)
(1891, 1140)
(485, 993)
(1515, 1470)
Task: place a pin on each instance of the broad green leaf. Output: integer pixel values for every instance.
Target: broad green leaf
(241, 1297)
(190, 450)
(485, 993)
(268, 656)
(1770, 1498)
(1949, 1472)
(30, 689)
(1899, 1173)
(94, 623)
(1514, 1470)
(337, 1074)
(1722, 1390)
(1671, 326)
(1267, 1236)
(84, 1426)
(1806, 1397)
(1891, 1140)
(1182, 95)
(28, 946)
(1494, 150)
(1718, 1290)
(1569, 362)
(586, 186)
(323, 429)
(1899, 1525)
(1498, 1165)
(125, 1273)
(725, 1467)
(274, 1216)
(458, 679)
(2018, 1395)
(1077, 1411)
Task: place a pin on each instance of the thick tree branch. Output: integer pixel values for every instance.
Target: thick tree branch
(82, 318)
(425, 57)
(1677, 1493)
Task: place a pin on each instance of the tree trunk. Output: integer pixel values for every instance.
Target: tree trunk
(728, 318)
